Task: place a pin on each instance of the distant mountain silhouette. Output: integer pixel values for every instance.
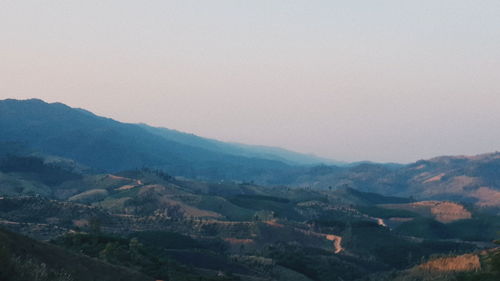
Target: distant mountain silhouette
(238, 149)
(108, 145)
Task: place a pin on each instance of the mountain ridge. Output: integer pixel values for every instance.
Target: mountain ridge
(107, 144)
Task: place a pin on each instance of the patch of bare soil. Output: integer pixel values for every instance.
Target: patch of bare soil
(448, 211)
(442, 211)
(468, 262)
(487, 197)
(238, 241)
(435, 178)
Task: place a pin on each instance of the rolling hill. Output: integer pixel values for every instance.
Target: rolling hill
(175, 228)
(469, 179)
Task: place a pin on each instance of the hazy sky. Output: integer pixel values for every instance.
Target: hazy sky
(350, 80)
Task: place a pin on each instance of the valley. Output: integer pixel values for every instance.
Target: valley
(76, 188)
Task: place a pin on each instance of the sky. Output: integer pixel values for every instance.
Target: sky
(388, 81)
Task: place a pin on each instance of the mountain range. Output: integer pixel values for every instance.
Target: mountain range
(171, 228)
(84, 197)
(108, 145)
(89, 142)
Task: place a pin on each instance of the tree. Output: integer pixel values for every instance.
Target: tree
(95, 225)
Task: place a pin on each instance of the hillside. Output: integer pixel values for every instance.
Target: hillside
(238, 149)
(89, 142)
(23, 259)
(478, 265)
(174, 206)
(244, 230)
(108, 145)
(470, 179)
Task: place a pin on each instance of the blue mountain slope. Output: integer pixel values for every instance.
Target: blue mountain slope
(108, 145)
(238, 149)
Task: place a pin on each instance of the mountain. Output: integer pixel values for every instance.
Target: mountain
(470, 179)
(102, 196)
(108, 145)
(80, 138)
(238, 149)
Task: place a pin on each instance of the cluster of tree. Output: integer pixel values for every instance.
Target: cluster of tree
(49, 174)
(146, 252)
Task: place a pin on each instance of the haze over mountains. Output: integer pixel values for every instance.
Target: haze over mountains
(168, 140)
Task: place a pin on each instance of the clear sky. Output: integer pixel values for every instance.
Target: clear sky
(350, 80)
